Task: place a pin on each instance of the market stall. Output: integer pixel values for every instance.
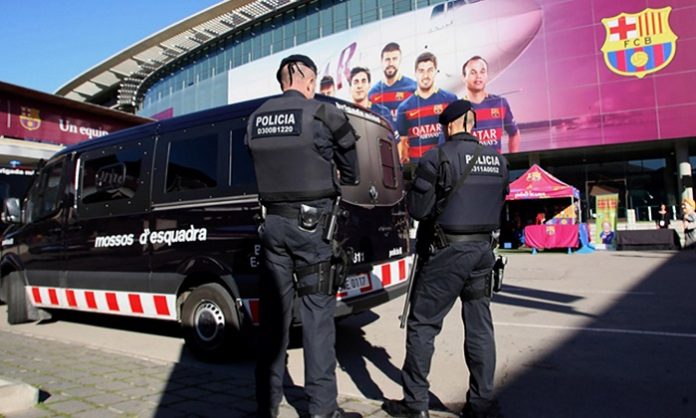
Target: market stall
(545, 209)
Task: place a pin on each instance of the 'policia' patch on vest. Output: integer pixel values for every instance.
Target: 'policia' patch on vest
(486, 165)
(277, 123)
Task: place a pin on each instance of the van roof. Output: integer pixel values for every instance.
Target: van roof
(225, 112)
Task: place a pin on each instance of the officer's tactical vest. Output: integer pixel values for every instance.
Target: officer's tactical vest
(477, 205)
(280, 136)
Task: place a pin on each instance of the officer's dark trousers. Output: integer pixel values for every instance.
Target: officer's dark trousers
(286, 246)
(451, 273)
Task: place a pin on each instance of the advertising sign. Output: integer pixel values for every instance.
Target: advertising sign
(606, 210)
(551, 74)
(34, 121)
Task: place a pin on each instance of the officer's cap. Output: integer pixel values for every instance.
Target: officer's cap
(296, 58)
(454, 111)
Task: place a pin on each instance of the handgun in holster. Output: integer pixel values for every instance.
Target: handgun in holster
(497, 274)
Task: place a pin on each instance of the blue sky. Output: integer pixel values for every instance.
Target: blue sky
(46, 43)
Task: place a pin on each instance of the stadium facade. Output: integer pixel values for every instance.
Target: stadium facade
(601, 92)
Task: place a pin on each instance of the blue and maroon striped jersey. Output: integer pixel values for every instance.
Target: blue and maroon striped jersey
(417, 118)
(493, 116)
(392, 96)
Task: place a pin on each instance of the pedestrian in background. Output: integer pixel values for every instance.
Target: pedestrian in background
(663, 217)
(689, 217)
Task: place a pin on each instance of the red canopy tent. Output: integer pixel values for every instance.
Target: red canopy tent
(536, 183)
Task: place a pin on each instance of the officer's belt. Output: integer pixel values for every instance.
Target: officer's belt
(468, 237)
(290, 212)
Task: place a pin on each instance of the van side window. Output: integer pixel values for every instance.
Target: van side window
(386, 154)
(192, 164)
(44, 196)
(243, 173)
(114, 179)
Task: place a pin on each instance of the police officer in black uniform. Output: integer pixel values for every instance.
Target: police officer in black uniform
(458, 263)
(297, 145)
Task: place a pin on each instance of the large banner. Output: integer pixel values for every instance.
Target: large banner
(550, 74)
(40, 122)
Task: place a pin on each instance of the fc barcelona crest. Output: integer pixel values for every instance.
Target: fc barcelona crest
(534, 176)
(639, 44)
(29, 119)
(438, 108)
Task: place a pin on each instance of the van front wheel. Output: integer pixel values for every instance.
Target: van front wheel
(17, 312)
(211, 322)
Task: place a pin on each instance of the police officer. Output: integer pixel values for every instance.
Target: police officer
(297, 145)
(459, 262)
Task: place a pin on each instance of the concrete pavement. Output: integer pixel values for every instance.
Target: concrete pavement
(82, 382)
(603, 335)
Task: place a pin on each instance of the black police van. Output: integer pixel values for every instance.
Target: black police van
(160, 221)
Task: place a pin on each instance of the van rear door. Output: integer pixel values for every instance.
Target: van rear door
(377, 227)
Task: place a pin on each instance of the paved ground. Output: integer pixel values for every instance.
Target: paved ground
(601, 335)
(82, 382)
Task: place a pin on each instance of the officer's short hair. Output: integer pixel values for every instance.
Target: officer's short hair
(292, 62)
(358, 70)
(474, 58)
(326, 81)
(425, 57)
(390, 47)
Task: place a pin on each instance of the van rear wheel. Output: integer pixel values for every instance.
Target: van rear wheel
(211, 322)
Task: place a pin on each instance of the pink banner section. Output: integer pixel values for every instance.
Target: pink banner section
(551, 236)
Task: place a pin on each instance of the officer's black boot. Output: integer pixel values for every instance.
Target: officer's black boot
(335, 414)
(272, 412)
(400, 409)
(469, 412)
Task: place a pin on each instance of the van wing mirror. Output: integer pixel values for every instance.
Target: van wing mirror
(11, 211)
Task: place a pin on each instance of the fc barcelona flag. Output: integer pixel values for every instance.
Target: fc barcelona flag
(639, 44)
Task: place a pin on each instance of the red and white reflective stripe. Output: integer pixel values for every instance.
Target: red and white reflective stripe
(252, 308)
(382, 276)
(149, 305)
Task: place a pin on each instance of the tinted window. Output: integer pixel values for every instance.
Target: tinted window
(437, 10)
(44, 195)
(243, 173)
(114, 176)
(114, 180)
(192, 164)
(386, 153)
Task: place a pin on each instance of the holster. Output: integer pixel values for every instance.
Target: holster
(325, 285)
(497, 274)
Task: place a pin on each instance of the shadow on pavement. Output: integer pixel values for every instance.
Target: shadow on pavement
(538, 299)
(353, 351)
(635, 359)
